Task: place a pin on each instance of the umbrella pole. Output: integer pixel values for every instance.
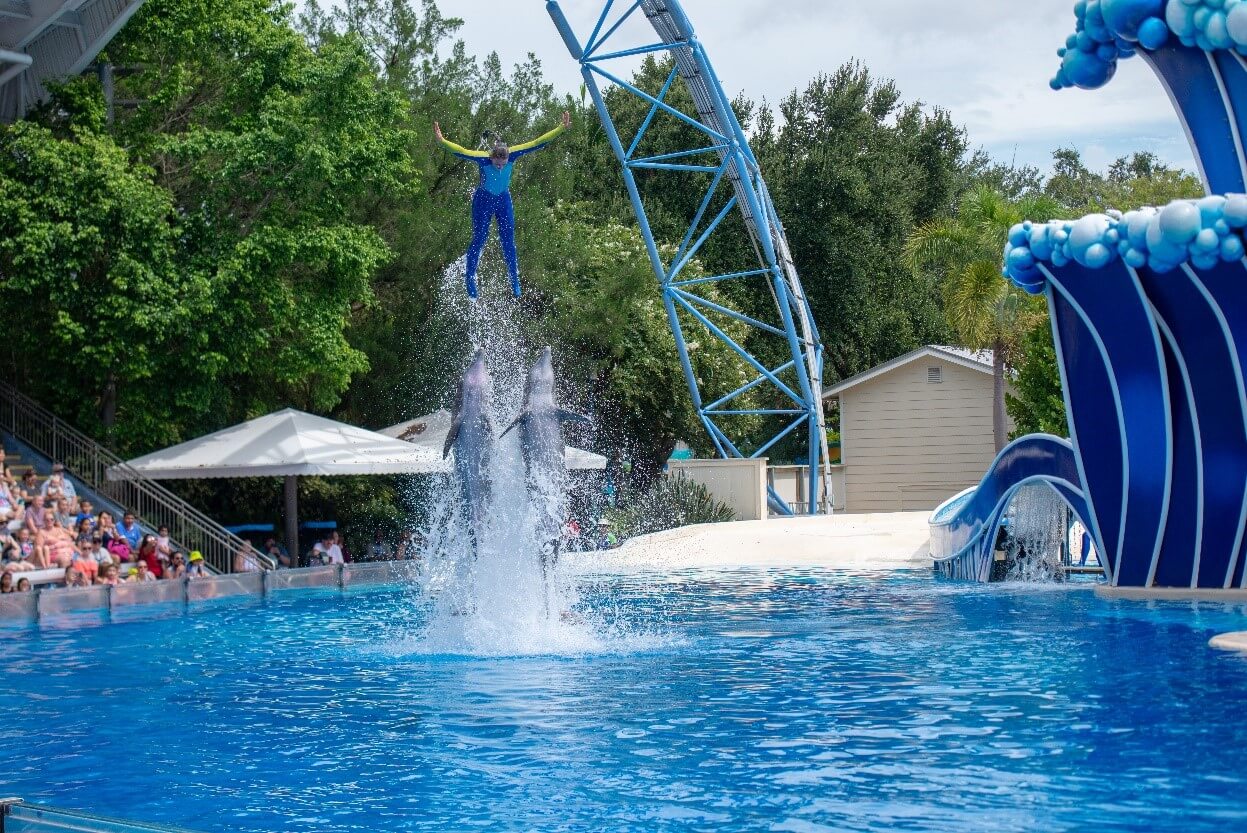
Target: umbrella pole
(292, 519)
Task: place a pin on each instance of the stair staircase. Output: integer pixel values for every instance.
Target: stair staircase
(33, 432)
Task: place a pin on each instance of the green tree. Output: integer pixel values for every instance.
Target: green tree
(89, 251)
(984, 310)
(852, 169)
(1037, 405)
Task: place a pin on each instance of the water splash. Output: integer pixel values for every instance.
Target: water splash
(493, 601)
(1037, 532)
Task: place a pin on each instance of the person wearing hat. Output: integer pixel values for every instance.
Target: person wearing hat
(197, 568)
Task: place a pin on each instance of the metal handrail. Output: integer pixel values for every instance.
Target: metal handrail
(88, 461)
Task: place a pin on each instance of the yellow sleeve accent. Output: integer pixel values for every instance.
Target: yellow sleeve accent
(540, 140)
(462, 151)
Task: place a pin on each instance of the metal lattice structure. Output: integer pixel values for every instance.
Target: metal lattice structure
(50, 40)
(736, 182)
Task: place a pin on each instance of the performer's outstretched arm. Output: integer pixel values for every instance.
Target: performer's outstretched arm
(541, 141)
(458, 150)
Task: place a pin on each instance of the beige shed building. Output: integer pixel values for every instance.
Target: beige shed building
(916, 430)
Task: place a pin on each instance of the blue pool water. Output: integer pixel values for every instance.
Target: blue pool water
(727, 701)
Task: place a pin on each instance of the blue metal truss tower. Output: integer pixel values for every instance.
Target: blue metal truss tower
(796, 384)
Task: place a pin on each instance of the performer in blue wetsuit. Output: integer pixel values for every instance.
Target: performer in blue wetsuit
(492, 198)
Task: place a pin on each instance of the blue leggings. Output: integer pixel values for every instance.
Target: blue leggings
(485, 208)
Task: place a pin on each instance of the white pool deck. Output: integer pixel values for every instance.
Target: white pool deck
(862, 542)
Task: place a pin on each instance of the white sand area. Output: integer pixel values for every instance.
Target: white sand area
(876, 541)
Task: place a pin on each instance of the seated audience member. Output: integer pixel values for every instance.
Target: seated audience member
(23, 585)
(83, 532)
(140, 573)
(36, 514)
(57, 542)
(64, 516)
(6, 475)
(130, 530)
(85, 564)
(380, 550)
(326, 551)
(9, 509)
(110, 574)
(196, 568)
(148, 555)
(73, 578)
(95, 548)
(177, 566)
(86, 512)
(116, 543)
(26, 557)
(164, 547)
(340, 543)
(245, 560)
(277, 552)
(58, 485)
(29, 485)
(6, 582)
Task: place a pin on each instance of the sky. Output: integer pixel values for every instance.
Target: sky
(988, 62)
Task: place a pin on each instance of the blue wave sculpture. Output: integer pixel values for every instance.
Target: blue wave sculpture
(1149, 314)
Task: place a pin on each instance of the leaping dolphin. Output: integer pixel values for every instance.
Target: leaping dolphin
(472, 436)
(541, 440)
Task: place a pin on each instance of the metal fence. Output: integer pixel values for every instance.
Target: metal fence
(90, 462)
(19, 817)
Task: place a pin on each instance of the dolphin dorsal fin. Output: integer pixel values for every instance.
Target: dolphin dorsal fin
(519, 420)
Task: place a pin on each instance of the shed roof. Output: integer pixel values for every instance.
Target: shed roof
(980, 360)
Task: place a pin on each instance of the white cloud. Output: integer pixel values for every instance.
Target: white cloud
(985, 61)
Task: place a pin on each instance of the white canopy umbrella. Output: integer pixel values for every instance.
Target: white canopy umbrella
(285, 444)
(429, 433)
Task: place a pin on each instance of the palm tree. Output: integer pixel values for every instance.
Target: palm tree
(986, 311)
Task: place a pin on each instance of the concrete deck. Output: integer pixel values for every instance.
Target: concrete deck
(875, 541)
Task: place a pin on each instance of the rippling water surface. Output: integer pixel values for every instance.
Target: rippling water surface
(726, 701)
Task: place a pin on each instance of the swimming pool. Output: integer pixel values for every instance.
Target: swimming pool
(785, 700)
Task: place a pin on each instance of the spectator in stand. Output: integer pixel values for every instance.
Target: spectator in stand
(83, 534)
(326, 551)
(10, 511)
(140, 573)
(130, 530)
(411, 548)
(58, 485)
(86, 512)
(110, 574)
(196, 567)
(64, 516)
(245, 560)
(85, 564)
(36, 514)
(6, 582)
(340, 543)
(95, 548)
(57, 541)
(149, 556)
(277, 552)
(26, 556)
(177, 566)
(73, 578)
(380, 549)
(164, 547)
(6, 474)
(29, 485)
(23, 585)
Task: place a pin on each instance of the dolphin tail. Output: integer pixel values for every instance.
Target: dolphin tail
(569, 416)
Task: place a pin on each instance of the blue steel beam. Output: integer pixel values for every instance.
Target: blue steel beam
(737, 171)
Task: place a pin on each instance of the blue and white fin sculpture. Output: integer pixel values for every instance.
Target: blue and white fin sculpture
(1149, 314)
